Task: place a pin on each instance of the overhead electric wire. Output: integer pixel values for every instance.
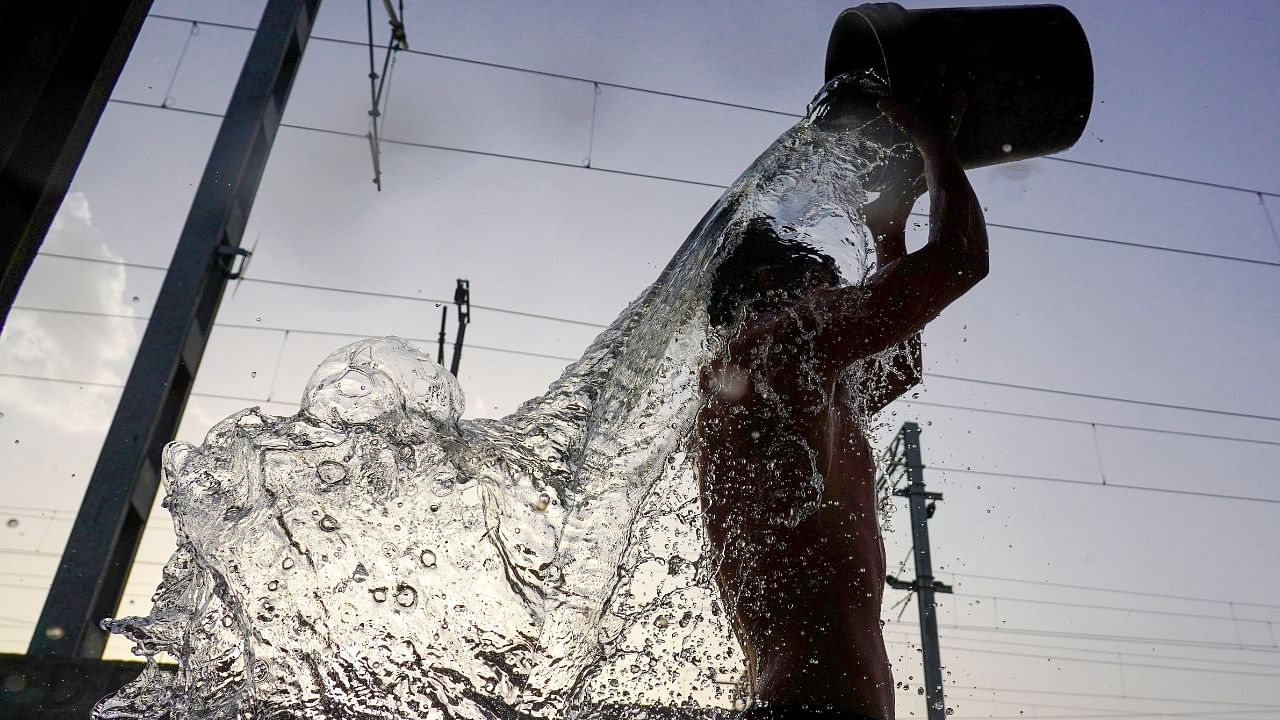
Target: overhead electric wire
(1098, 588)
(1107, 484)
(925, 403)
(555, 318)
(686, 181)
(1004, 598)
(1112, 398)
(1077, 421)
(1108, 715)
(952, 647)
(941, 468)
(1093, 606)
(1112, 638)
(913, 636)
(699, 99)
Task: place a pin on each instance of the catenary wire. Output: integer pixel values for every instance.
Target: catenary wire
(566, 358)
(554, 318)
(1099, 661)
(912, 635)
(699, 99)
(990, 473)
(686, 181)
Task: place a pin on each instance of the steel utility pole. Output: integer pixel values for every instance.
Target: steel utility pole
(113, 513)
(461, 298)
(906, 456)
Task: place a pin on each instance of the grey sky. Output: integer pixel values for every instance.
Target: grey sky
(1073, 303)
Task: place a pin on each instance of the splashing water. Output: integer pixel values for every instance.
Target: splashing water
(374, 556)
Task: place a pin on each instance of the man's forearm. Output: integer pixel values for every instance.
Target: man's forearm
(887, 219)
(955, 216)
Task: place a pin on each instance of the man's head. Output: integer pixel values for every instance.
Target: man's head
(764, 272)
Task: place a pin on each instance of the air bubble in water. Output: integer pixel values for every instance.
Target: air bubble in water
(331, 472)
(328, 524)
(428, 558)
(287, 563)
(406, 596)
(379, 594)
(354, 384)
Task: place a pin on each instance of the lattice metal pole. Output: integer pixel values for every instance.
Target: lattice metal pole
(105, 537)
(921, 503)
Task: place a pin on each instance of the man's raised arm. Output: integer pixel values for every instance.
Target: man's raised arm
(886, 218)
(905, 294)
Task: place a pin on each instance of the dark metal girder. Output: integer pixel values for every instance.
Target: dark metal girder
(104, 540)
(58, 64)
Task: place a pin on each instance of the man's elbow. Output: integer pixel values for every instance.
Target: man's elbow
(977, 265)
(970, 268)
(974, 263)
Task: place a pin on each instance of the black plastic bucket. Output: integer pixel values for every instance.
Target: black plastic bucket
(1026, 71)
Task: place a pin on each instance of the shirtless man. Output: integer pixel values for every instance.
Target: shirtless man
(787, 477)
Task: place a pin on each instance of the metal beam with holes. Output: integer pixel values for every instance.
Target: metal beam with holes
(92, 572)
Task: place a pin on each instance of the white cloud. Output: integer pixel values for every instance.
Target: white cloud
(97, 347)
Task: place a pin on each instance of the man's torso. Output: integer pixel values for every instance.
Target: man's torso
(787, 480)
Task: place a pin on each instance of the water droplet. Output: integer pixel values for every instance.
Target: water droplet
(354, 384)
(543, 501)
(13, 522)
(661, 621)
(379, 594)
(442, 488)
(55, 632)
(287, 563)
(434, 507)
(406, 596)
(1007, 148)
(253, 374)
(331, 472)
(428, 558)
(227, 621)
(273, 585)
(328, 524)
